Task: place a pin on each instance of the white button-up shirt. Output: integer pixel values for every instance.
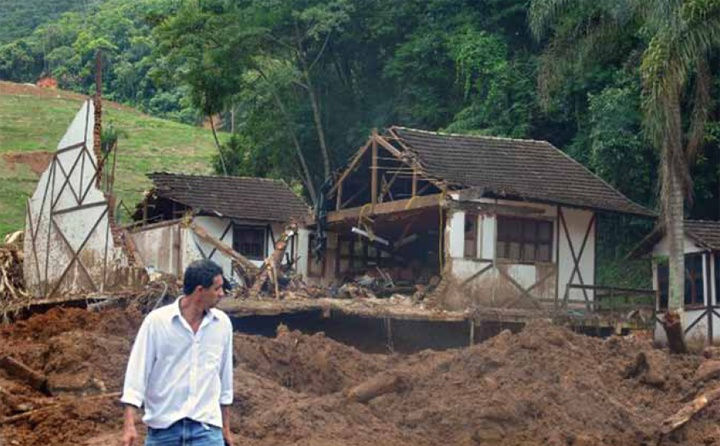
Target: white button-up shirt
(178, 374)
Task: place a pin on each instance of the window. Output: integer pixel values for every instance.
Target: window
(471, 233)
(315, 266)
(355, 255)
(694, 289)
(249, 241)
(524, 239)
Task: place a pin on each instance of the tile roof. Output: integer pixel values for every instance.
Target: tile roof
(235, 197)
(705, 232)
(513, 168)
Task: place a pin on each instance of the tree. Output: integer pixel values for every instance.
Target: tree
(679, 38)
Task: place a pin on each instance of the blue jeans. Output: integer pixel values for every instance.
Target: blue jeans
(185, 432)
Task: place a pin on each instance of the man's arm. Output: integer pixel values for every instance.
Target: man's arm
(227, 434)
(140, 364)
(129, 431)
(226, 383)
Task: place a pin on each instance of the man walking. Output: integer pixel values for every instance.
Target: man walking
(180, 367)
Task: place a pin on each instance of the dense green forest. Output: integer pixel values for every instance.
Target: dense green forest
(20, 18)
(299, 84)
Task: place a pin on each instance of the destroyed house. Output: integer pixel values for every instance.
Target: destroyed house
(701, 315)
(189, 217)
(503, 222)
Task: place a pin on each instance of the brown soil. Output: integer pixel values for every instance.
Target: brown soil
(12, 88)
(545, 385)
(36, 161)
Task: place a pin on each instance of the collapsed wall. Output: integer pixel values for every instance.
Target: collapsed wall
(69, 245)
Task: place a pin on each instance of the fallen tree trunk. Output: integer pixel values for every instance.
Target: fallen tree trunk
(376, 386)
(18, 370)
(674, 332)
(271, 265)
(247, 266)
(682, 416)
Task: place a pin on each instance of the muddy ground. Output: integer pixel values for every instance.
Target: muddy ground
(545, 385)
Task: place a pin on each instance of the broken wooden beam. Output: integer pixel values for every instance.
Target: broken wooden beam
(375, 387)
(248, 267)
(271, 265)
(682, 416)
(17, 369)
(389, 207)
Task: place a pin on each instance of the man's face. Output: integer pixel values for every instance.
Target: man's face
(211, 296)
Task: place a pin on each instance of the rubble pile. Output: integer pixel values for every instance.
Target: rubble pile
(544, 385)
(12, 285)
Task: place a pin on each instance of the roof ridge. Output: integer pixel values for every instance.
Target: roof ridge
(200, 175)
(465, 135)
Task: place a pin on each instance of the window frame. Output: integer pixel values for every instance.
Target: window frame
(521, 238)
(689, 301)
(474, 218)
(239, 227)
(311, 260)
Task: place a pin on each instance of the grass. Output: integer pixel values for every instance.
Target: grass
(32, 119)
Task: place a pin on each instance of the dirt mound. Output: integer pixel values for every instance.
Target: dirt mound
(545, 385)
(42, 327)
(308, 364)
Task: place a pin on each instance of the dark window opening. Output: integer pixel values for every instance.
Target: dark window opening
(471, 234)
(315, 265)
(524, 239)
(249, 241)
(694, 289)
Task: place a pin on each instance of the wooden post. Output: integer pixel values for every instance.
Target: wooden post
(373, 168)
(414, 182)
(388, 330)
(97, 129)
(472, 331)
(338, 199)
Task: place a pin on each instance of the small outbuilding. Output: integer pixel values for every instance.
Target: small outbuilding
(184, 217)
(701, 315)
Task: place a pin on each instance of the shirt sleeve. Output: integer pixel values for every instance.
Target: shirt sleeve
(139, 365)
(226, 370)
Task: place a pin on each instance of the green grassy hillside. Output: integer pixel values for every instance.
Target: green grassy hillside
(32, 121)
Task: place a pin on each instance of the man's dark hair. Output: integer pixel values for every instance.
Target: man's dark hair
(200, 272)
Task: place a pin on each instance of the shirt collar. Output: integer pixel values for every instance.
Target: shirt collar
(176, 310)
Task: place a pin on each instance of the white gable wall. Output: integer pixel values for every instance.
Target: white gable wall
(526, 275)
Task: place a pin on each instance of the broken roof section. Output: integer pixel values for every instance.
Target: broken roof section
(522, 169)
(244, 198)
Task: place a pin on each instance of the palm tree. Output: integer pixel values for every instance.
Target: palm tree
(680, 36)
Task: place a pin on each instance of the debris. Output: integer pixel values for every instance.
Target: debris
(648, 367)
(375, 387)
(271, 265)
(247, 266)
(682, 416)
(708, 370)
(17, 369)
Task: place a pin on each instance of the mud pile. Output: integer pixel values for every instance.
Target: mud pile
(544, 385)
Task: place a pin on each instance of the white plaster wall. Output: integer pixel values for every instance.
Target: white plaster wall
(455, 234)
(526, 275)
(48, 255)
(577, 222)
(303, 240)
(158, 247)
(487, 235)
